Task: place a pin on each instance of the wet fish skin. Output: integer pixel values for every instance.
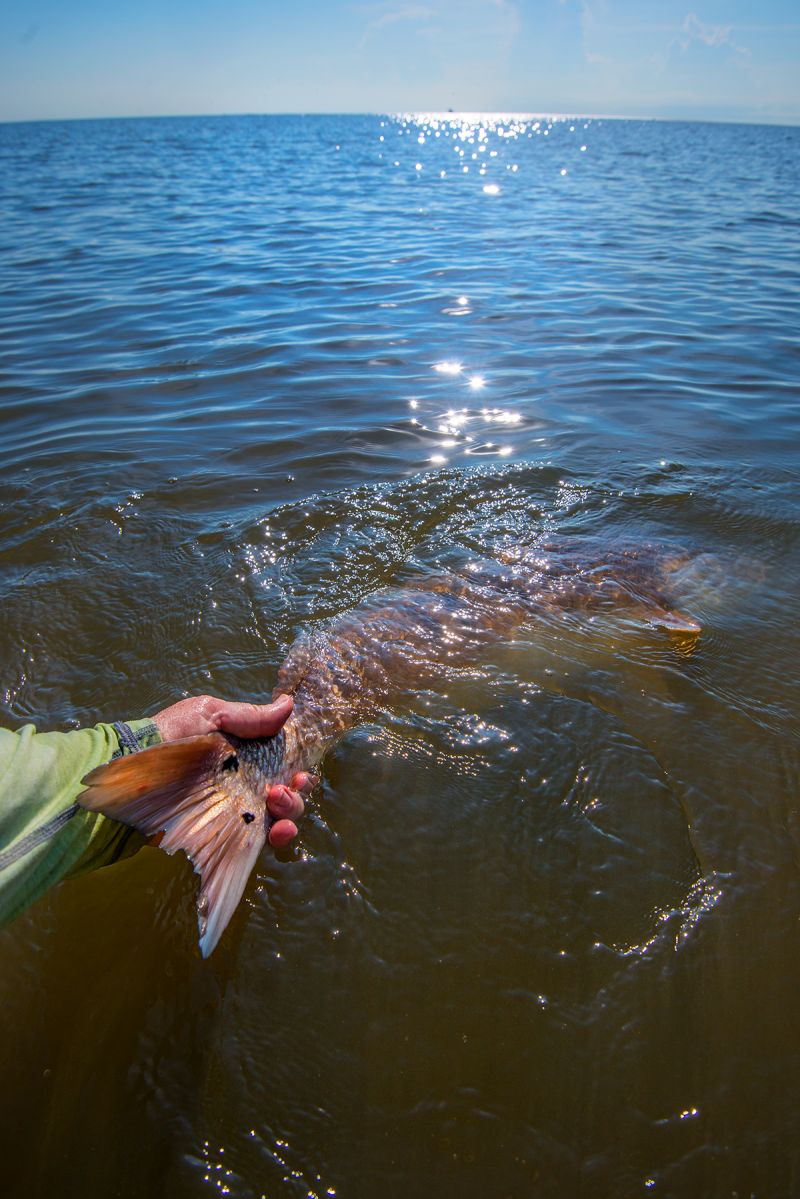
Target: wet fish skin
(406, 638)
(207, 795)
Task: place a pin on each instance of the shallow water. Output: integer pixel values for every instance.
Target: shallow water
(539, 935)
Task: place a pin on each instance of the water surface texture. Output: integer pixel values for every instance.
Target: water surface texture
(539, 934)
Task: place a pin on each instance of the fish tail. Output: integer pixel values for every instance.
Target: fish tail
(172, 790)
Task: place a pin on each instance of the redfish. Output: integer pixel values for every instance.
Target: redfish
(207, 795)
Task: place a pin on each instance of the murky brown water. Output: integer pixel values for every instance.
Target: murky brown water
(539, 935)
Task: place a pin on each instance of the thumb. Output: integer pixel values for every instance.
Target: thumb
(255, 720)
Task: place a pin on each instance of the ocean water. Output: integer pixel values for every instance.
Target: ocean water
(539, 933)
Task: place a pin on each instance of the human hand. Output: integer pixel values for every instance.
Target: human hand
(205, 714)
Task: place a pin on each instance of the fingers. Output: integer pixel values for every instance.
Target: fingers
(285, 805)
(282, 802)
(302, 782)
(254, 720)
(282, 833)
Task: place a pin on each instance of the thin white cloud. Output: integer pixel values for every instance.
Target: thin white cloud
(510, 14)
(593, 20)
(694, 30)
(385, 18)
(596, 18)
(508, 24)
(494, 20)
(393, 16)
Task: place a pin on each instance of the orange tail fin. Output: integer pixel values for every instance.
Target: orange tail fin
(172, 789)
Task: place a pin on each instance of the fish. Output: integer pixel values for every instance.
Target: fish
(206, 795)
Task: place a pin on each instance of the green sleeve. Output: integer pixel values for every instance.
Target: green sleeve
(42, 840)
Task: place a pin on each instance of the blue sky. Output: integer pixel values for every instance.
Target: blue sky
(706, 59)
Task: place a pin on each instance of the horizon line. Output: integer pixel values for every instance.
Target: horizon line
(473, 114)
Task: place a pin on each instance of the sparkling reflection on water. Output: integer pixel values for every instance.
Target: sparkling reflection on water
(538, 936)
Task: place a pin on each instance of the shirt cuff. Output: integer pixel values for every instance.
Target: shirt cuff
(134, 735)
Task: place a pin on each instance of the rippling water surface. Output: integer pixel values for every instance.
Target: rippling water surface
(539, 935)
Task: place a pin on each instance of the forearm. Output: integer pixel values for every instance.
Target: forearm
(40, 776)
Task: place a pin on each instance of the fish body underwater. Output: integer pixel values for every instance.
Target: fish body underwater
(206, 795)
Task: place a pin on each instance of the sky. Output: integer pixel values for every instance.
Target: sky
(728, 60)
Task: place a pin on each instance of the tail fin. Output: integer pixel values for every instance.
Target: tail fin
(173, 789)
